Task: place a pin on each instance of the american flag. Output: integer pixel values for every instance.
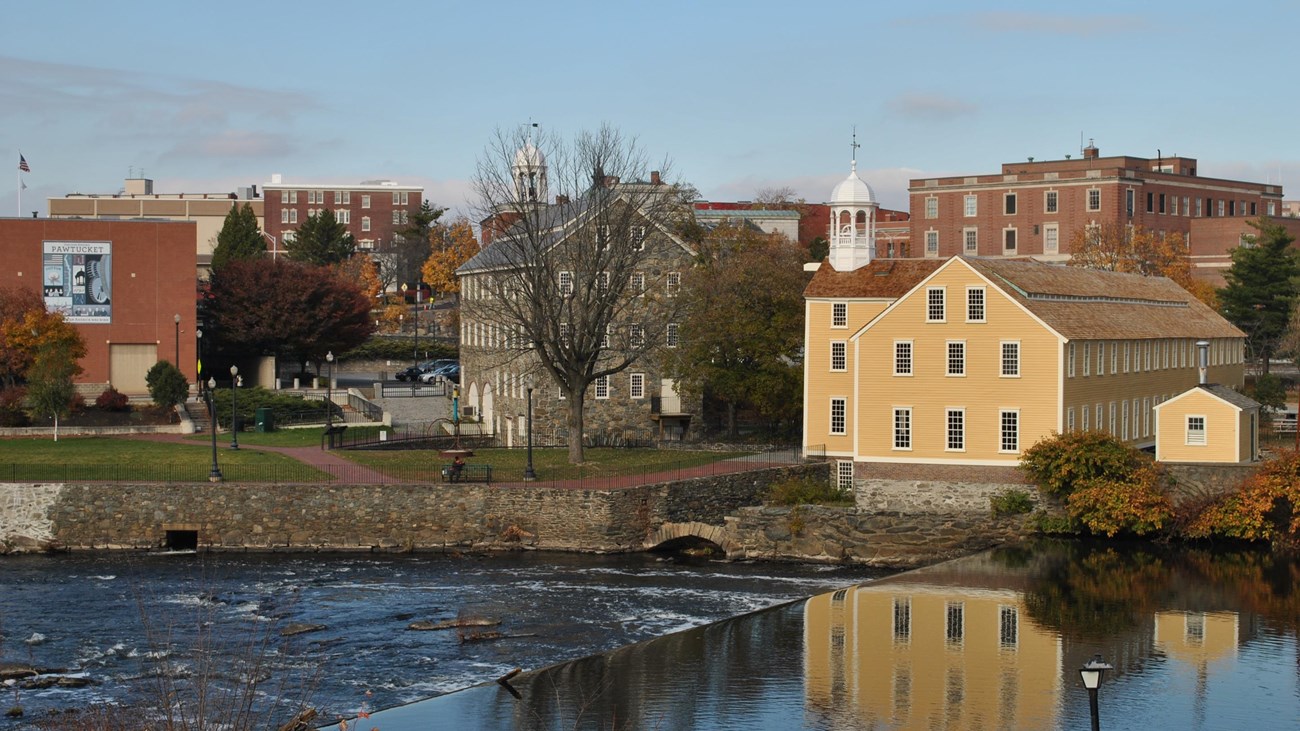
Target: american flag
(22, 164)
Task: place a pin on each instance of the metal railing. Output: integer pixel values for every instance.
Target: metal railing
(412, 389)
(364, 406)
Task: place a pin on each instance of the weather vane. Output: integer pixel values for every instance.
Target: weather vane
(854, 146)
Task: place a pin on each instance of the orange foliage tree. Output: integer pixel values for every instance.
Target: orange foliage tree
(1266, 507)
(362, 270)
(1119, 247)
(452, 246)
(27, 330)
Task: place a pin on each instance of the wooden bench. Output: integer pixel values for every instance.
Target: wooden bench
(468, 473)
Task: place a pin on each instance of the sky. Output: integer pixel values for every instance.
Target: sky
(740, 96)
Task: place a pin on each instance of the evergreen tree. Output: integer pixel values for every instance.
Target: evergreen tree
(239, 239)
(321, 240)
(1262, 287)
(167, 385)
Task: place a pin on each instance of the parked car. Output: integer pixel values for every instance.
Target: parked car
(413, 373)
(450, 372)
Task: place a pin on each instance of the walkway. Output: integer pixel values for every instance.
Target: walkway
(341, 469)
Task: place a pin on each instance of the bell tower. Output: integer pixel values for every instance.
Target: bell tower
(853, 220)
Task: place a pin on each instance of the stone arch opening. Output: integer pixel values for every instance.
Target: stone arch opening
(691, 539)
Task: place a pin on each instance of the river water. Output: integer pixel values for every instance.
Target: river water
(138, 626)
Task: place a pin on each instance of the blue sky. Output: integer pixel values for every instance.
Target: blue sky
(741, 96)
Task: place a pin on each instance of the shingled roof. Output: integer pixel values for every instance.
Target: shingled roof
(882, 278)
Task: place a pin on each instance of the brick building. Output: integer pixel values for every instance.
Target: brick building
(122, 284)
(374, 211)
(1034, 208)
(804, 222)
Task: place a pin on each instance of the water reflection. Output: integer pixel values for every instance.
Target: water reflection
(1199, 640)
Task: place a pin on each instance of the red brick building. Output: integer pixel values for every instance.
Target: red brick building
(374, 211)
(804, 222)
(122, 284)
(1035, 208)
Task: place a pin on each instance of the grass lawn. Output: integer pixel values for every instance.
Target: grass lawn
(549, 464)
(287, 437)
(125, 459)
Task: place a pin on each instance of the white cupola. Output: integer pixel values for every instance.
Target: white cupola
(853, 221)
(529, 172)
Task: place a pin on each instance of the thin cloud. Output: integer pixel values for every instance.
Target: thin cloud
(1082, 26)
(234, 144)
(930, 107)
(890, 185)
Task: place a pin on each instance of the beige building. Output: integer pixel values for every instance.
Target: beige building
(1208, 423)
(137, 200)
(970, 360)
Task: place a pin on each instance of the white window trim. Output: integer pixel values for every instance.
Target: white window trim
(1205, 430)
(844, 366)
(967, 209)
(635, 386)
(601, 383)
(834, 307)
(943, 292)
(1002, 359)
(1015, 203)
(894, 429)
(932, 235)
(830, 416)
(1056, 246)
(1069, 363)
(947, 413)
(1012, 251)
(984, 304)
(1001, 414)
(966, 240)
(1051, 209)
(911, 358)
(947, 358)
(1087, 200)
(932, 202)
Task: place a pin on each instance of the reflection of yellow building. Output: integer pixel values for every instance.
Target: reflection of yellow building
(1197, 638)
(920, 656)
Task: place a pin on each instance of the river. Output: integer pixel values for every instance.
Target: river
(136, 626)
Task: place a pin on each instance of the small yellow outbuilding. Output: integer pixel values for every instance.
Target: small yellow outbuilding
(1208, 423)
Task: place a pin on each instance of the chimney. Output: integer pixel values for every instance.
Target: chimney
(654, 178)
(1203, 359)
(561, 199)
(1091, 152)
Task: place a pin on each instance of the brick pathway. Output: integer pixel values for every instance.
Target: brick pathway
(343, 470)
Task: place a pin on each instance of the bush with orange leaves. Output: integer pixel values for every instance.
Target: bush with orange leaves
(1262, 509)
(1139, 504)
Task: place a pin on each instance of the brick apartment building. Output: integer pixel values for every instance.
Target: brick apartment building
(1035, 208)
(374, 211)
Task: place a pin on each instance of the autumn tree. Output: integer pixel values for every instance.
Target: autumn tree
(450, 247)
(321, 240)
(239, 238)
(742, 326)
(364, 271)
(287, 309)
(1261, 289)
(574, 286)
(15, 337)
(1118, 247)
(57, 350)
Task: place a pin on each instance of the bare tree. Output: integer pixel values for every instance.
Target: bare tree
(574, 282)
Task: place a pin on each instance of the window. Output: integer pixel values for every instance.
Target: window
(1101, 358)
(670, 336)
(1084, 414)
(1114, 357)
(1129, 195)
(838, 409)
(602, 387)
(1123, 420)
(673, 283)
(636, 238)
(1009, 241)
(1173, 205)
(1198, 207)
(1087, 359)
(602, 281)
(902, 428)
(839, 314)
(293, 215)
(1220, 207)
(284, 196)
(934, 304)
(1112, 419)
(1187, 210)
(1146, 416)
(1050, 202)
(565, 284)
(1010, 426)
(839, 356)
(1069, 362)
(397, 198)
(1196, 430)
(566, 332)
(638, 283)
(343, 216)
(902, 619)
(971, 240)
(604, 339)
(956, 358)
(974, 304)
(931, 207)
(956, 420)
(1008, 627)
(1094, 199)
(365, 200)
(844, 474)
(1097, 421)
(636, 335)
(1126, 344)
(1069, 419)
(636, 385)
(284, 215)
(1051, 239)
(902, 357)
(972, 206)
(1009, 204)
(397, 216)
(1011, 359)
(931, 243)
(1161, 206)
(954, 623)
(365, 223)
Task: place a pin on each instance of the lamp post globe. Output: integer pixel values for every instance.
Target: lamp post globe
(329, 397)
(1092, 673)
(177, 319)
(234, 412)
(529, 474)
(214, 474)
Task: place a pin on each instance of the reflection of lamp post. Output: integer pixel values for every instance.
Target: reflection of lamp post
(329, 398)
(234, 412)
(214, 475)
(177, 320)
(1092, 673)
(529, 474)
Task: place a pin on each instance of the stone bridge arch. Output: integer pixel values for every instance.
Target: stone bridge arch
(692, 532)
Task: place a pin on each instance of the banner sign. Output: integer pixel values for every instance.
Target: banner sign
(78, 280)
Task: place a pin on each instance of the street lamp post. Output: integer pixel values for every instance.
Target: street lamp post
(234, 412)
(198, 361)
(214, 475)
(529, 474)
(177, 320)
(1092, 673)
(455, 411)
(329, 398)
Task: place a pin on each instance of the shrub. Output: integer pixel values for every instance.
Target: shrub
(1269, 391)
(1052, 524)
(78, 404)
(1011, 502)
(112, 400)
(167, 385)
(11, 406)
(400, 349)
(1262, 509)
(1139, 505)
(807, 491)
(1063, 462)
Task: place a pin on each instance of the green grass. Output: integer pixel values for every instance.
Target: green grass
(121, 459)
(549, 464)
(288, 437)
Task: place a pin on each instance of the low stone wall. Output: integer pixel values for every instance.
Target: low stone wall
(933, 489)
(385, 517)
(879, 539)
(1197, 482)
